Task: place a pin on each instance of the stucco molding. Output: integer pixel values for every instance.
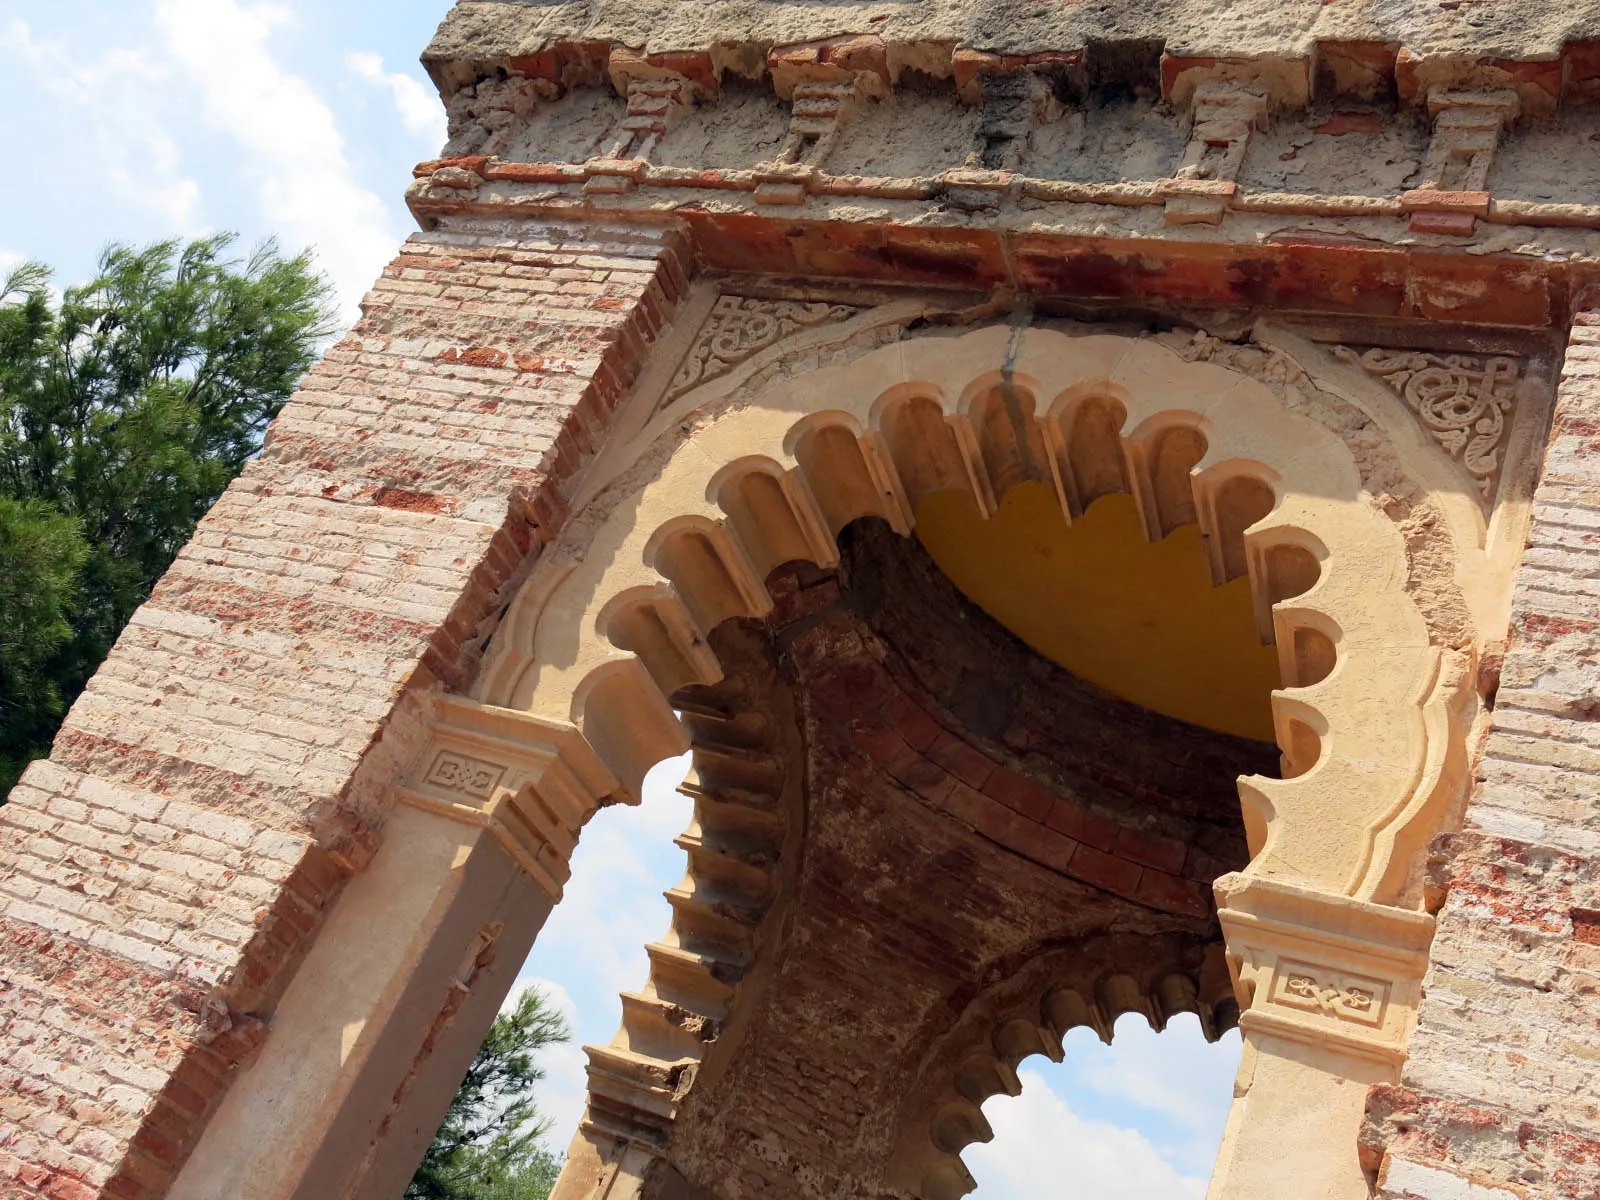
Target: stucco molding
(692, 513)
(531, 783)
(614, 619)
(1324, 971)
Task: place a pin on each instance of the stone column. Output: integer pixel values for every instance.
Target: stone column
(1328, 990)
(1497, 1100)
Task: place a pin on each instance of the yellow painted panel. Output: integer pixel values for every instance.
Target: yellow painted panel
(1140, 620)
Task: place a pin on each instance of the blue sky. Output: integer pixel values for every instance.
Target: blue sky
(140, 119)
(301, 119)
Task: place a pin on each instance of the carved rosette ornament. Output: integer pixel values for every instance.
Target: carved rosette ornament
(1464, 400)
(740, 327)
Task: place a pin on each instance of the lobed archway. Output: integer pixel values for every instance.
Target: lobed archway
(638, 606)
(618, 619)
(615, 619)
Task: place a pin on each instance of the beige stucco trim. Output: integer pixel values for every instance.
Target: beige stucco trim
(696, 509)
(688, 525)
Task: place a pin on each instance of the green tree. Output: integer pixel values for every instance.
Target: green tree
(41, 554)
(488, 1145)
(125, 408)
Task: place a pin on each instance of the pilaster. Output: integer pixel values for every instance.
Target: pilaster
(1328, 991)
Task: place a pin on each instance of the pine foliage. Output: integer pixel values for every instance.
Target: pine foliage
(488, 1147)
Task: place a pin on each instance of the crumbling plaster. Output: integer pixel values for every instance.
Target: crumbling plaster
(490, 30)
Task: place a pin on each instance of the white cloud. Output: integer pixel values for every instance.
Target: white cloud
(306, 185)
(564, 1089)
(121, 102)
(613, 904)
(557, 996)
(418, 105)
(1040, 1141)
(1175, 1073)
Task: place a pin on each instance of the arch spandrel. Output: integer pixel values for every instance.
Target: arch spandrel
(1373, 723)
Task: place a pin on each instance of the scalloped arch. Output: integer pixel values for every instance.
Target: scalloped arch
(1370, 747)
(1030, 1013)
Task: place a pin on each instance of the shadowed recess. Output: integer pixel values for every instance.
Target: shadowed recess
(1140, 619)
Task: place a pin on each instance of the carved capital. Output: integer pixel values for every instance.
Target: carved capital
(1324, 970)
(532, 783)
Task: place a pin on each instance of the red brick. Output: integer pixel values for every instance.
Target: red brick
(1452, 224)
(913, 722)
(961, 760)
(1151, 850)
(1076, 821)
(1045, 845)
(65, 1188)
(1586, 926)
(1032, 800)
(883, 746)
(1106, 871)
(1171, 894)
(972, 806)
(1341, 123)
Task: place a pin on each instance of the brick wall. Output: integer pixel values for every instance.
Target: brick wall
(226, 769)
(1501, 1095)
(977, 824)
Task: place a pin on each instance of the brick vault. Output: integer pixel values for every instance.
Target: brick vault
(1105, 492)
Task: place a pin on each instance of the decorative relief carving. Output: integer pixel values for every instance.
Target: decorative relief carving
(1330, 993)
(1464, 400)
(820, 113)
(1467, 128)
(469, 776)
(740, 327)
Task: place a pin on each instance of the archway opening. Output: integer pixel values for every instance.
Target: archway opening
(904, 794)
(897, 798)
(1138, 1119)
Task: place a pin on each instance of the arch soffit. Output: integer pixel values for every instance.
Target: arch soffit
(614, 618)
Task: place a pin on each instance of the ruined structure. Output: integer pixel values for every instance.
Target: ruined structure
(1111, 491)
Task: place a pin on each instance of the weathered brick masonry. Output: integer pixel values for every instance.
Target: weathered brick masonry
(1502, 1088)
(1067, 818)
(1291, 278)
(227, 768)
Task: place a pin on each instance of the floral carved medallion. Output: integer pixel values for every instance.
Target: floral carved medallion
(740, 327)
